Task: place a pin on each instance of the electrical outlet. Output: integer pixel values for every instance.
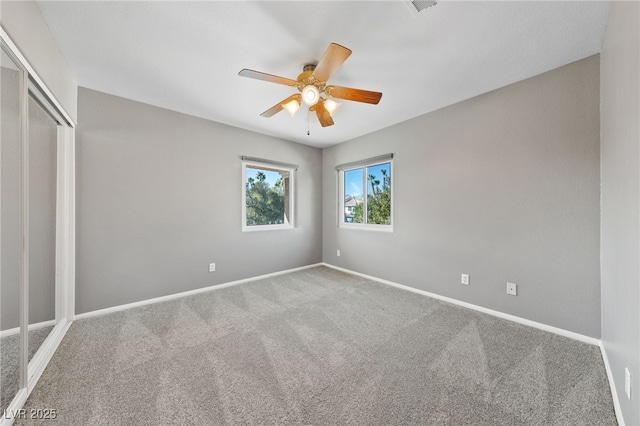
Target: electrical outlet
(464, 279)
(212, 267)
(627, 382)
(338, 253)
(512, 289)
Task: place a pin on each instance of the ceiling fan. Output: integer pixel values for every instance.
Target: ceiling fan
(312, 83)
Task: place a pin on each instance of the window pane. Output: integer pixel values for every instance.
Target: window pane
(379, 194)
(267, 196)
(353, 196)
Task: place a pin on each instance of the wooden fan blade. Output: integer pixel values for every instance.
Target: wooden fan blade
(353, 94)
(323, 114)
(267, 77)
(280, 106)
(331, 61)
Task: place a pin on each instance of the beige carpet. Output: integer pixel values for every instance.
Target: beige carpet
(319, 347)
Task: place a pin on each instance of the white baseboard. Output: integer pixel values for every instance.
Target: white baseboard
(520, 320)
(36, 326)
(612, 385)
(118, 308)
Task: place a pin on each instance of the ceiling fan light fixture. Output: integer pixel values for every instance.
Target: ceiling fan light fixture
(292, 107)
(312, 88)
(310, 94)
(331, 106)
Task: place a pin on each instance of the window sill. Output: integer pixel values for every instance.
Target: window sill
(361, 227)
(266, 228)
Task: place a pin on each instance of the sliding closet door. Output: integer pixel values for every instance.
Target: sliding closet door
(43, 134)
(37, 223)
(11, 228)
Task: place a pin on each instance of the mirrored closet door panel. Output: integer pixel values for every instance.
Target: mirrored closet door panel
(10, 228)
(43, 134)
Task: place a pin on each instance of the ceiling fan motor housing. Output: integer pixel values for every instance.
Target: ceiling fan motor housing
(306, 78)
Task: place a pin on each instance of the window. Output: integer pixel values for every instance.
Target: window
(267, 195)
(365, 194)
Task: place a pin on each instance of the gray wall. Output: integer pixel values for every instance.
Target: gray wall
(26, 26)
(504, 187)
(159, 198)
(620, 235)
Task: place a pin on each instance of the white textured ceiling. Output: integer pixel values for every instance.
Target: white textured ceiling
(185, 56)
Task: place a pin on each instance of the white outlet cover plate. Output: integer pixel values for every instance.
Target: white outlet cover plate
(212, 267)
(512, 289)
(464, 279)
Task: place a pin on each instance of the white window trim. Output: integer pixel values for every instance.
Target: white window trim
(292, 201)
(363, 226)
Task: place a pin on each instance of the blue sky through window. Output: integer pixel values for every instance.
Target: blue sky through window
(353, 179)
(376, 171)
(271, 177)
(353, 183)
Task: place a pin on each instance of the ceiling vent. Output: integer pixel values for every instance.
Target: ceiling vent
(417, 6)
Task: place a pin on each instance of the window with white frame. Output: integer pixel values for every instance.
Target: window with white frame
(267, 194)
(366, 193)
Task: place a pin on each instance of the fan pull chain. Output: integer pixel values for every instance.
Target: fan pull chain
(309, 112)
